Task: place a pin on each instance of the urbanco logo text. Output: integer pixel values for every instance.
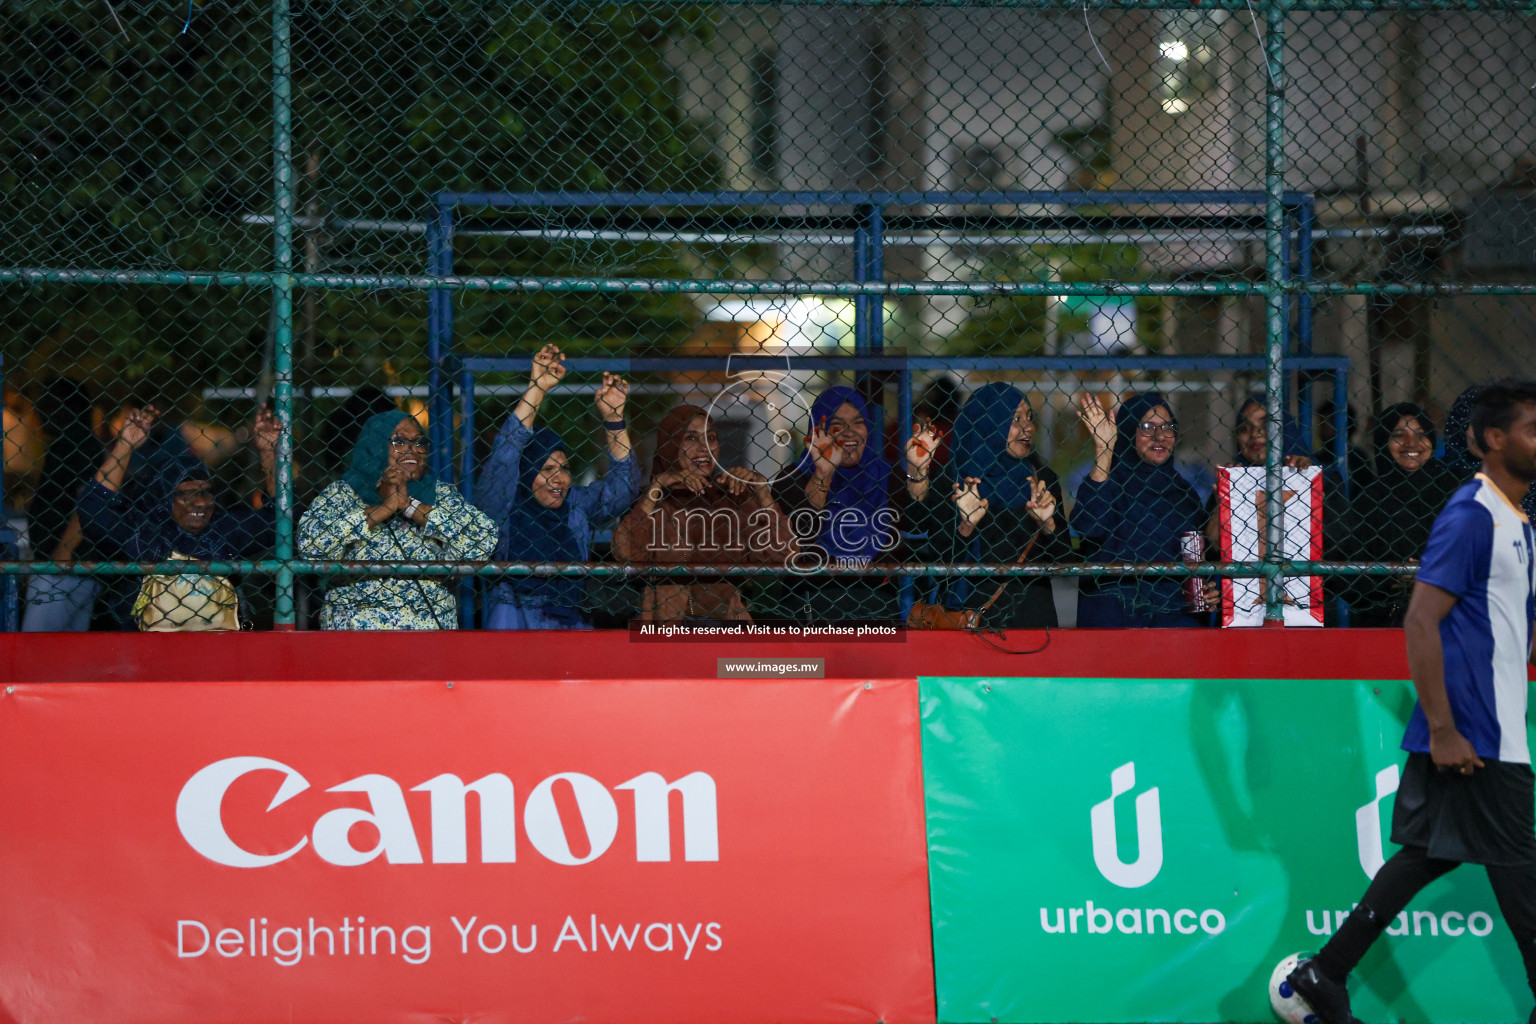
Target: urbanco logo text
(200, 817)
(1100, 920)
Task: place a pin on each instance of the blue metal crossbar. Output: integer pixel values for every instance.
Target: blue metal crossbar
(868, 266)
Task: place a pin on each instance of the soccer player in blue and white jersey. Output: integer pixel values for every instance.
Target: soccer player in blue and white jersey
(1467, 794)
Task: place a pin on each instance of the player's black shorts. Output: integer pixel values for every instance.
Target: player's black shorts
(1488, 817)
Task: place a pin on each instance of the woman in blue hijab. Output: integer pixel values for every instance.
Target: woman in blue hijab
(844, 505)
(995, 499)
(1132, 507)
(526, 489)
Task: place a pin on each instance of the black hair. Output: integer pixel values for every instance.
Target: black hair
(1494, 408)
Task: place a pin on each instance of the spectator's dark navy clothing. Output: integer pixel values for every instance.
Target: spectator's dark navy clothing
(145, 531)
(1136, 515)
(1480, 551)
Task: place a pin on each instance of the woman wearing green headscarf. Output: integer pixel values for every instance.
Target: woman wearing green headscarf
(388, 507)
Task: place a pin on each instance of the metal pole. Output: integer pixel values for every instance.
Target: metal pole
(440, 341)
(1275, 326)
(285, 202)
(1304, 214)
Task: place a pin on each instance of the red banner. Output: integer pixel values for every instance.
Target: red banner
(666, 851)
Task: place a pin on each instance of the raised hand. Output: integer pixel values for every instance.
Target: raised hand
(610, 398)
(548, 368)
(1100, 427)
(973, 507)
(1042, 504)
(137, 424)
(265, 430)
(922, 446)
(826, 453)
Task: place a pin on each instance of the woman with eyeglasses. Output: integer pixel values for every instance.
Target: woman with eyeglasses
(1132, 507)
(540, 515)
(1392, 507)
(390, 507)
(999, 501)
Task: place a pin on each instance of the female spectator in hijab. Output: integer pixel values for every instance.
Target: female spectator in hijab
(1133, 506)
(1251, 437)
(1392, 507)
(694, 511)
(844, 503)
(389, 507)
(62, 603)
(526, 489)
(1001, 499)
(1462, 461)
(176, 512)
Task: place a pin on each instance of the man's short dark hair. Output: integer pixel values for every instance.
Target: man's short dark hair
(1496, 405)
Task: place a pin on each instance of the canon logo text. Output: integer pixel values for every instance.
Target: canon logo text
(199, 815)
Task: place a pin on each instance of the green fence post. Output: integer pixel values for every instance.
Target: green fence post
(282, 299)
(1275, 326)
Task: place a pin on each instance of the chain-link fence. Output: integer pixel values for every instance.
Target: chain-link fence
(537, 314)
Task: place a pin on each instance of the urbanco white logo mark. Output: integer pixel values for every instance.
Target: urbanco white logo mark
(199, 816)
(1149, 833)
(1368, 823)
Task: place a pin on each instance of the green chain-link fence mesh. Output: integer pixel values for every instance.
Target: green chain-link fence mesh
(1007, 222)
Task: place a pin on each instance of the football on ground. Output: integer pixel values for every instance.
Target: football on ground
(1287, 1004)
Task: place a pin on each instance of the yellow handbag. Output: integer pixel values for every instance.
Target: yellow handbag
(186, 602)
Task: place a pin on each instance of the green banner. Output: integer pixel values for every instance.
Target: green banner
(1116, 850)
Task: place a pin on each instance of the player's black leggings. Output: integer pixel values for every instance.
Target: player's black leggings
(1400, 880)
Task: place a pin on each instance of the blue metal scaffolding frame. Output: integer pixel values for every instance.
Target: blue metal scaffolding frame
(868, 242)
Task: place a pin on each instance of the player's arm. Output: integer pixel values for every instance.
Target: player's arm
(1426, 662)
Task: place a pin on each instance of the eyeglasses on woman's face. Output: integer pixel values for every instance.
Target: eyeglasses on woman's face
(1152, 428)
(420, 442)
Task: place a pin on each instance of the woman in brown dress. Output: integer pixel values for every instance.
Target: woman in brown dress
(693, 511)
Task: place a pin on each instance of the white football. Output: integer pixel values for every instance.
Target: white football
(1288, 1006)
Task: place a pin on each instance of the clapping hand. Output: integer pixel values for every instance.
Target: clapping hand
(393, 488)
(827, 454)
(922, 446)
(1042, 504)
(967, 498)
(1100, 427)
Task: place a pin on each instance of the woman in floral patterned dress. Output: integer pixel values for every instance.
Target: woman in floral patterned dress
(388, 507)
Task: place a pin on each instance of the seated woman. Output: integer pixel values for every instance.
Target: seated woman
(526, 489)
(389, 507)
(1133, 506)
(176, 513)
(1004, 501)
(844, 504)
(1393, 504)
(1250, 436)
(693, 511)
(1250, 441)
